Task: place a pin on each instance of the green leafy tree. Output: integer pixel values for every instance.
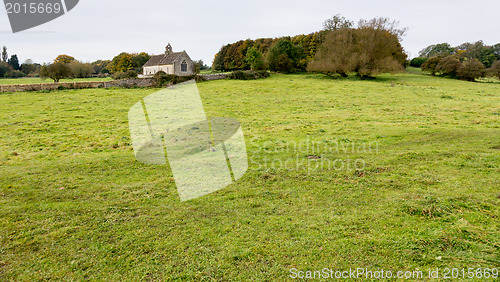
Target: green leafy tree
(138, 60)
(438, 50)
(55, 71)
(285, 57)
(14, 62)
(430, 65)
(471, 70)
(417, 62)
(255, 59)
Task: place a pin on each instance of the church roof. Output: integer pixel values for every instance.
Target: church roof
(163, 59)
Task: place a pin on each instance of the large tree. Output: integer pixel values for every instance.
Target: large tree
(371, 48)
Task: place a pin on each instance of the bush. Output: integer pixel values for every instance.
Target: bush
(449, 66)
(248, 75)
(494, 71)
(471, 70)
(124, 75)
(417, 62)
(162, 79)
(430, 65)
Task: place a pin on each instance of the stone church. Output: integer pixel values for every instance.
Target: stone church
(177, 63)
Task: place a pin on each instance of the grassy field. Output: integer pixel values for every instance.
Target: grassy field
(398, 173)
(26, 80)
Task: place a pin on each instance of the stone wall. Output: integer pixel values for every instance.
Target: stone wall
(213, 76)
(126, 83)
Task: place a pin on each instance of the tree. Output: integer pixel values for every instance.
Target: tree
(430, 65)
(495, 70)
(448, 66)
(337, 22)
(418, 62)
(471, 69)
(438, 50)
(254, 59)
(28, 67)
(100, 66)
(5, 56)
(370, 49)
(138, 60)
(55, 71)
(80, 70)
(65, 59)
(121, 62)
(284, 56)
(4, 69)
(14, 62)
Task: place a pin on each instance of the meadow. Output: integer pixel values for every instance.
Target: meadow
(397, 173)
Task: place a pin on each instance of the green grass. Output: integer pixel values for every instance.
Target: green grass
(33, 80)
(75, 204)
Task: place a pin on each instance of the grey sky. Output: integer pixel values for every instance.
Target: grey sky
(102, 29)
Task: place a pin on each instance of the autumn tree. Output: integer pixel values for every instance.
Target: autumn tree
(371, 48)
(64, 59)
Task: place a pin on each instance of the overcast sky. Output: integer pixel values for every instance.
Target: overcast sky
(102, 29)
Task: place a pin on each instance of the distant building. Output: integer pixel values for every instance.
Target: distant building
(177, 63)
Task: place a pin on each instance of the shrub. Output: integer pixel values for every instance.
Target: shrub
(494, 71)
(248, 75)
(124, 75)
(430, 65)
(470, 70)
(417, 62)
(449, 66)
(162, 79)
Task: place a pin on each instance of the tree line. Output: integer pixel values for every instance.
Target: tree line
(467, 61)
(123, 65)
(370, 47)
